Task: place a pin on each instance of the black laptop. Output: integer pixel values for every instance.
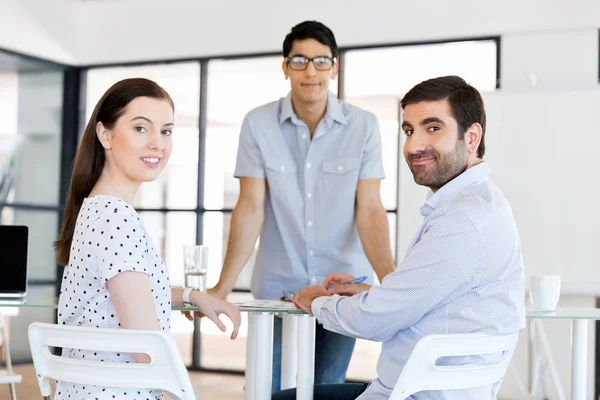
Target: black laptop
(14, 244)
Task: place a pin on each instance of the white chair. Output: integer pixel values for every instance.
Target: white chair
(7, 376)
(421, 372)
(165, 371)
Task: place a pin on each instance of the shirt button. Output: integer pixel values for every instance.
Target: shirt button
(309, 224)
(304, 136)
(340, 168)
(308, 165)
(309, 195)
(313, 280)
(311, 252)
(283, 167)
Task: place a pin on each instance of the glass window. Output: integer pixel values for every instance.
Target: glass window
(177, 186)
(392, 71)
(30, 133)
(169, 232)
(234, 88)
(216, 236)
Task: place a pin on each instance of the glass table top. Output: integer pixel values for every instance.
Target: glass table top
(35, 300)
(254, 306)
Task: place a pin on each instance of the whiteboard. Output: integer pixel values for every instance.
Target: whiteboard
(544, 151)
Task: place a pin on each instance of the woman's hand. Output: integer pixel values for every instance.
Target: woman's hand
(212, 307)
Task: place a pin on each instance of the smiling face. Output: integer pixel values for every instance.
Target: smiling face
(434, 150)
(139, 145)
(309, 86)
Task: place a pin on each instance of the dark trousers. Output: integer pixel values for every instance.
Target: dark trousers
(332, 355)
(344, 391)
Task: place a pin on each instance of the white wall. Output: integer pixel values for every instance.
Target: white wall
(26, 26)
(147, 29)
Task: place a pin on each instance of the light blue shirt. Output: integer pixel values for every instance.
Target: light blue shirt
(462, 273)
(309, 229)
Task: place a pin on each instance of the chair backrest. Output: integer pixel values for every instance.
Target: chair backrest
(165, 371)
(421, 372)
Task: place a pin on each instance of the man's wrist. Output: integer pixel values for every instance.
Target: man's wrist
(317, 304)
(221, 291)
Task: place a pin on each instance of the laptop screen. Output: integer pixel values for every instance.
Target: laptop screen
(13, 259)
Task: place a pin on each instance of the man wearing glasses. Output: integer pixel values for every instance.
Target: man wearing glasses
(310, 169)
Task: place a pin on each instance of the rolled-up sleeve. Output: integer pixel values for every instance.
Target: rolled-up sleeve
(372, 164)
(249, 162)
(441, 266)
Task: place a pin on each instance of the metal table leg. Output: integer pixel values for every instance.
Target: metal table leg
(579, 360)
(306, 357)
(289, 354)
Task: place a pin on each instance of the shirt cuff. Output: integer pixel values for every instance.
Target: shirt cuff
(317, 304)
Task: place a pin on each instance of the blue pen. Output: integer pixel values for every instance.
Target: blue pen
(357, 280)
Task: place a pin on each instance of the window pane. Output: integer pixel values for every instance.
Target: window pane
(30, 133)
(43, 232)
(216, 236)
(169, 232)
(392, 71)
(177, 186)
(392, 221)
(234, 88)
(385, 109)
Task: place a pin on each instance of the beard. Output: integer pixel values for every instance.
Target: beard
(442, 169)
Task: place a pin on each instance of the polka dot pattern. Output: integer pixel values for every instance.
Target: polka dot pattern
(109, 239)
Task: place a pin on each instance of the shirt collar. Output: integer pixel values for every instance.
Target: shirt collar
(451, 189)
(334, 111)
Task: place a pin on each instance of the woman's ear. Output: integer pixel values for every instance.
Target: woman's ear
(103, 136)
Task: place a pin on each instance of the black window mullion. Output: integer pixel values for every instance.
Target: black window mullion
(70, 129)
(341, 76)
(202, 122)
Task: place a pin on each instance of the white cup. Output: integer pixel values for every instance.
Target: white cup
(545, 291)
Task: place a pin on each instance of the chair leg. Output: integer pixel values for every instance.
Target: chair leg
(13, 391)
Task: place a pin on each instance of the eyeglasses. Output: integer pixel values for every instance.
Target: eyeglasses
(299, 63)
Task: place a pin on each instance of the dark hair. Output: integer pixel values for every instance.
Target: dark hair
(89, 160)
(310, 30)
(465, 101)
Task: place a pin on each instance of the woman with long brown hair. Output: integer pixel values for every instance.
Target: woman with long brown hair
(114, 276)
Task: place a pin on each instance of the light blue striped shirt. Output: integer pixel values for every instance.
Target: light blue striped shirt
(309, 230)
(462, 273)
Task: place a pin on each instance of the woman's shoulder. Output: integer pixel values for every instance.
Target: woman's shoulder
(100, 207)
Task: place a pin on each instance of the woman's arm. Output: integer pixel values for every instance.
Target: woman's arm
(132, 296)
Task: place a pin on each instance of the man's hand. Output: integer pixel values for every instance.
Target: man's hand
(335, 284)
(304, 298)
(333, 280)
(350, 290)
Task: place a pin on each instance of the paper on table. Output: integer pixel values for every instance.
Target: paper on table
(267, 304)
